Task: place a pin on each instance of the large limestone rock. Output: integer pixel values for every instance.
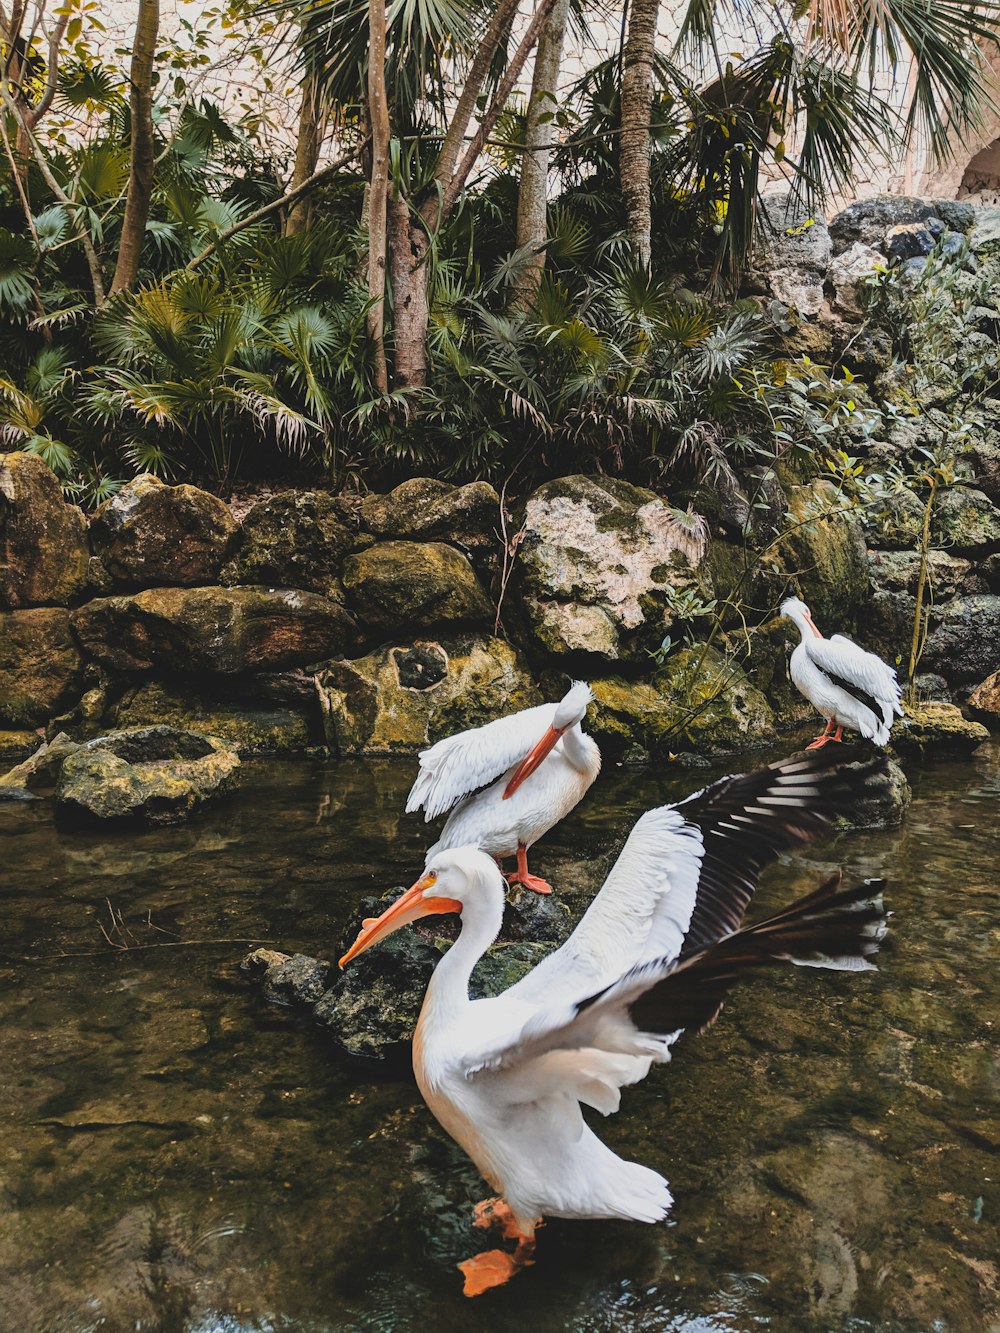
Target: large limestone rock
(794, 253)
(965, 645)
(150, 533)
(827, 555)
(899, 571)
(158, 774)
(43, 541)
(984, 456)
(425, 509)
(40, 665)
(850, 271)
(297, 539)
(219, 630)
(868, 220)
(598, 562)
(984, 702)
(699, 702)
(404, 697)
(397, 585)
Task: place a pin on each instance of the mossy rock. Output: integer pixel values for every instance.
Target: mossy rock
(404, 697)
(297, 539)
(426, 509)
(40, 665)
(44, 557)
(698, 702)
(248, 728)
(937, 728)
(222, 631)
(827, 556)
(967, 521)
(150, 533)
(17, 744)
(393, 585)
(156, 774)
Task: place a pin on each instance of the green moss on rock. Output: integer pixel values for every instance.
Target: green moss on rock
(248, 729)
(826, 555)
(40, 665)
(417, 584)
(44, 556)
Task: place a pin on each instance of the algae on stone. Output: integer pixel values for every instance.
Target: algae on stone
(827, 555)
(937, 728)
(249, 729)
(398, 584)
(40, 665)
(43, 541)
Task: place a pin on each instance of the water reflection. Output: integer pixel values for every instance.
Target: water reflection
(178, 1155)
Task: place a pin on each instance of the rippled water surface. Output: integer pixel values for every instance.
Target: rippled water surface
(177, 1154)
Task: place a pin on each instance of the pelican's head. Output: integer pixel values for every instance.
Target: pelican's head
(571, 709)
(795, 609)
(451, 879)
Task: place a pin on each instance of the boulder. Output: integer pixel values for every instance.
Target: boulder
(698, 702)
(898, 523)
(984, 702)
(249, 728)
(40, 665)
(849, 271)
(985, 233)
(868, 220)
(965, 520)
(218, 630)
(898, 571)
(984, 456)
(910, 240)
(419, 585)
(794, 253)
(964, 647)
(425, 509)
(151, 533)
(404, 697)
(880, 797)
(826, 555)
(598, 563)
(157, 774)
(297, 539)
(937, 728)
(39, 770)
(885, 625)
(43, 540)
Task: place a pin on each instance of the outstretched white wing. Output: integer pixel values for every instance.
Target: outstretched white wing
(687, 873)
(862, 674)
(461, 764)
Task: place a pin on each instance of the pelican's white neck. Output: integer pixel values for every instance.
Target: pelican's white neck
(482, 917)
(580, 750)
(803, 622)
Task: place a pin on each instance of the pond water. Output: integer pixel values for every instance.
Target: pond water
(177, 1154)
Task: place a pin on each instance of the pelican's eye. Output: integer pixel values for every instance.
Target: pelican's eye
(430, 879)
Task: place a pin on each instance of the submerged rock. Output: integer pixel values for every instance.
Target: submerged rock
(158, 774)
(393, 585)
(43, 541)
(219, 630)
(598, 563)
(407, 696)
(937, 728)
(150, 533)
(40, 665)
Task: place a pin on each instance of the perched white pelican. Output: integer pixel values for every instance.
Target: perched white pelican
(846, 685)
(653, 956)
(505, 817)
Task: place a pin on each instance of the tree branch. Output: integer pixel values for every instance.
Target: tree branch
(282, 202)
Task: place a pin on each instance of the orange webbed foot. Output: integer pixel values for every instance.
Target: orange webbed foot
(494, 1268)
(491, 1213)
(529, 881)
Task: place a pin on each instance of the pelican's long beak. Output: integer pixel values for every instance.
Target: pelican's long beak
(409, 906)
(531, 761)
(812, 625)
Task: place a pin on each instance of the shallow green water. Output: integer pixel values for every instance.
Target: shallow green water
(178, 1155)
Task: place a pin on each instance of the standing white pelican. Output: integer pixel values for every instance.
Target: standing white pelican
(845, 684)
(653, 956)
(519, 805)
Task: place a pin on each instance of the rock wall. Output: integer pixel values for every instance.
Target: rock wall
(380, 624)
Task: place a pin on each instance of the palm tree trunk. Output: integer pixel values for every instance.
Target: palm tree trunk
(409, 244)
(531, 198)
(143, 159)
(378, 195)
(308, 142)
(636, 111)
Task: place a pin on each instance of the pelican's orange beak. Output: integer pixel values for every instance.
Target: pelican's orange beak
(409, 906)
(812, 625)
(531, 761)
